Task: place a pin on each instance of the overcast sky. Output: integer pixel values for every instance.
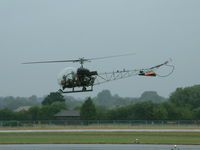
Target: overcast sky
(156, 30)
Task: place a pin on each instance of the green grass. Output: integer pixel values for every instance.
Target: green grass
(100, 137)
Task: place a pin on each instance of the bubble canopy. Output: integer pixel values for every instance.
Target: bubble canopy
(68, 72)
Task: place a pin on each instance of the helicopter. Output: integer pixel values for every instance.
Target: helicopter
(76, 78)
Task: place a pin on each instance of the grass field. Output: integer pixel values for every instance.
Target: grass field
(100, 138)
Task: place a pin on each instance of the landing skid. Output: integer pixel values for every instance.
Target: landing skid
(75, 91)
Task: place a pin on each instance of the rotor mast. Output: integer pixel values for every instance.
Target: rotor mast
(82, 60)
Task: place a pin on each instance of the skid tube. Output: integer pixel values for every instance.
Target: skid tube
(76, 91)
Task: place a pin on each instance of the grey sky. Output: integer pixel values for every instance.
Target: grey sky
(155, 30)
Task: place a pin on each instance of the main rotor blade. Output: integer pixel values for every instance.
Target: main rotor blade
(112, 56)
(78, 60)
(59, 61)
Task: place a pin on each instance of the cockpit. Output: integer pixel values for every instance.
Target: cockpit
(66, 75)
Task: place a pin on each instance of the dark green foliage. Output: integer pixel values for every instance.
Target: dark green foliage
(143, 111)
(121, 113)
(6, 114)
(172, 111)
(183, 104)
(186, 102)
(47, 112)
(34, 112)
(186, 96)
(53, 97)
(88, 110)
(138, 111)
(57, 106)
(100, 112)
(78, 107)
(197, 113)
(22, 115)
(186, 113)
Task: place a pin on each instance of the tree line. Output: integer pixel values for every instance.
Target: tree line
(103, 98)
(183, 104)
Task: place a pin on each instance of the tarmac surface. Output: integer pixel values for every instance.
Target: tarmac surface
(97, 147)
(101, 130)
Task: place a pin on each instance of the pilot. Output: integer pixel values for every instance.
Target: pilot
(63, 81)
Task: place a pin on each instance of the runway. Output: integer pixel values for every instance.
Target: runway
(97, 147)
(101, 130)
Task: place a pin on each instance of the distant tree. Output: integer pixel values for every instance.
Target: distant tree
(72, 103)
(197, 113)
(186, 113)
(186, 96)
(57, 106)
(53, 97)
(172, 111)
(101, 112)
(22, 115)
(16, 102)
(45, 113)
(144, 110)
(151, 96)
(88, 110)
(120, 113)
(33, 99)
(6, 114)
(159, 112)
(139, 111)
(104, 98)
(34, 112)
(78, 107)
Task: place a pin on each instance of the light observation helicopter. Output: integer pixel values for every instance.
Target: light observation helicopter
(82, 79)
